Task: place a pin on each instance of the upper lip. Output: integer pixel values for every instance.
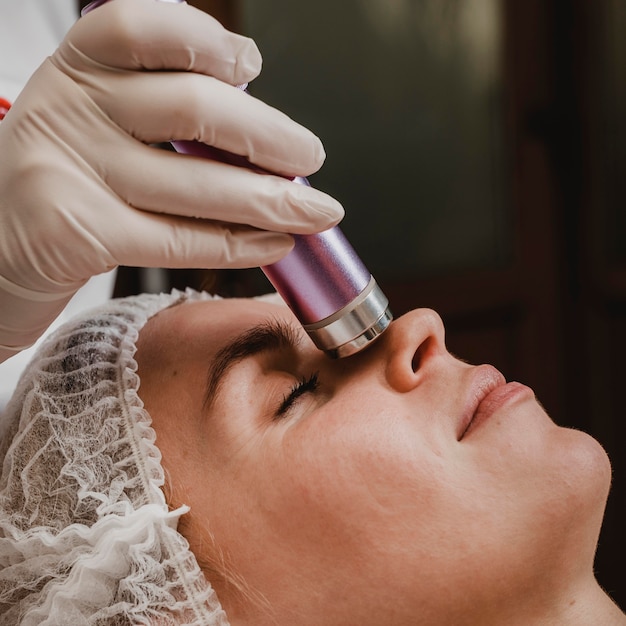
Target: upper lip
(484, 380)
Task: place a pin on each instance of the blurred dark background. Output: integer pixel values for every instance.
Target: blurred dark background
(479, 147)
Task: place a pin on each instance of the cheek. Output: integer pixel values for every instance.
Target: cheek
(340, 482)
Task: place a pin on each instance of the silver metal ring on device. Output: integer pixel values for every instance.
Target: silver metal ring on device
(354, 326)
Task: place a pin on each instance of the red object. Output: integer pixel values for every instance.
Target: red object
(5, 105)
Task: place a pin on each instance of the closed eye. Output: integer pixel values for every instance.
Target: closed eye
(306, 385)
(268, 336)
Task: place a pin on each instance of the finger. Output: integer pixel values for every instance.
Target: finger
(152, 240)
(151, 108)
(165, 182)
(144, 34)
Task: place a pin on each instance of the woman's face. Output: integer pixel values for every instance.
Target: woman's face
(397, 486)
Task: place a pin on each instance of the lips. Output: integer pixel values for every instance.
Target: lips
(485, 381)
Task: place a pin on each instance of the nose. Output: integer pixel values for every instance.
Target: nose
(410, 345)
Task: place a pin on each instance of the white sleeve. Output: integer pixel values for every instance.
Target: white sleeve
(30, 30)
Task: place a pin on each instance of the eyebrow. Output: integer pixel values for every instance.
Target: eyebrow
(268, 336)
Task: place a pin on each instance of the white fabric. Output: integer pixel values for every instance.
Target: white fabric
(86, 537)
(30, 30)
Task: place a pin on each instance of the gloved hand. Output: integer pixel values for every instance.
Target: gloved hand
(82, 191)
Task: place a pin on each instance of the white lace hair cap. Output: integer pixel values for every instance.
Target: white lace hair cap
(86, 536)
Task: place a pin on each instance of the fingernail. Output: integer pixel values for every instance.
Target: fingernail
(324, 206)
(249, 61)
(320, 153)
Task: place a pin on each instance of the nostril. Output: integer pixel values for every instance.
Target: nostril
(417, 359)
(420, 355)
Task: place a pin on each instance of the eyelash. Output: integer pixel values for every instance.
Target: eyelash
(305, 385)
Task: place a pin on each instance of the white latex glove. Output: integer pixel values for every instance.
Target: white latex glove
(81, 191)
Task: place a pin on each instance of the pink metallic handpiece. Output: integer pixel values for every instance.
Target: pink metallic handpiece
(324, 282)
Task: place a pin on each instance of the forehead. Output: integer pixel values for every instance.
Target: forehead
(208, 324)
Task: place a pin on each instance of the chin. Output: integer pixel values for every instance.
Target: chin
(592, 462)
(587, 475)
